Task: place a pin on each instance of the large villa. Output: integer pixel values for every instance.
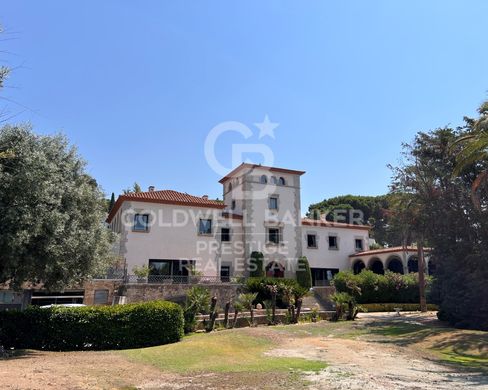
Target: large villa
(177, 235)
(177, 240)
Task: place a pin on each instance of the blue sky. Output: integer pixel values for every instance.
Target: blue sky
(138, 86)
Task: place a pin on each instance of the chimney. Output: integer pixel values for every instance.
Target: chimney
(205, 197)
(151, 189)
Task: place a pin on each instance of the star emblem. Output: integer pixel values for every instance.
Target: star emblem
(266, 127)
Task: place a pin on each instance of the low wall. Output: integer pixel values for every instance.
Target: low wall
(100, 284)
(244, 319)
(140, 292)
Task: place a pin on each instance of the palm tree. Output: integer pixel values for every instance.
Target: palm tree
(299, 293)
(246, 300)
(237, 308)
(474, 149)
(273, 289)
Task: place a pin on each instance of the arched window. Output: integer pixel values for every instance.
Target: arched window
(395, 265)
(358, 267)
(263, 179)
(376, 266)
(281, 181)
(413, 264)
(230, 186)
(273, 180)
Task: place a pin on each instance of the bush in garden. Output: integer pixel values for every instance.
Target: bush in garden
(94, 327)
(368, 287)
(391, 307)
(257, 265)
(197, 301)
(304, 275)
(260, 286)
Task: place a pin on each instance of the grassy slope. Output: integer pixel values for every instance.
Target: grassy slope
(229, 351)
(238, 351)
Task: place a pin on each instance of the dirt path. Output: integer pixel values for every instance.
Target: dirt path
(359, 364)
(355, 364)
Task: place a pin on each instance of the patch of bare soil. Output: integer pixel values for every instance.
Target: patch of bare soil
(107, 370)
(73, 370)
(359, 364)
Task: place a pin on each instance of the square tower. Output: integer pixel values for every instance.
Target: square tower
(268, 198)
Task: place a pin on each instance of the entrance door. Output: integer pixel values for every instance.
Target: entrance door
(225, 273)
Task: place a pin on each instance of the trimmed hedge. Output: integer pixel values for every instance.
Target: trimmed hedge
(390, 307)
(259, 286)
(257, 265)
(92, 327)
(373, 288)
(304, 274)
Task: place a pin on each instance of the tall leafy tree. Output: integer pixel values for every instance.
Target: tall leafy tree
(441, 214)
(51, 212)
(474, 150)
(4, 70)
(135, 189)
(374, 211)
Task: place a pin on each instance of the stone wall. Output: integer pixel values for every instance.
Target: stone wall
(101, 284)
(140, 292)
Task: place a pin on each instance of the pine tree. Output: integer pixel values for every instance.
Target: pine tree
(112, 202)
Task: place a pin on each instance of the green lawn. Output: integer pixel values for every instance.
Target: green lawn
(227, 351)
(240, 350)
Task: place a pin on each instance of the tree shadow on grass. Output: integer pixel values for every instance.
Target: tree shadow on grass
(20, 354)
(455, 348)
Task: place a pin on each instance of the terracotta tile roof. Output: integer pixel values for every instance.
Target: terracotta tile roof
(340, 225)
(252, 166)
(165, 197)
(388, 250)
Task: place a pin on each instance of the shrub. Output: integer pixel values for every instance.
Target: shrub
(462, 290)
(304, 275)
(94, 327)
(390, 307)
(368, 287)
(345, 305)
(256, 263)
(259, 286)
(197, 301)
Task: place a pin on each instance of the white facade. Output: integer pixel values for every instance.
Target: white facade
(260, 212)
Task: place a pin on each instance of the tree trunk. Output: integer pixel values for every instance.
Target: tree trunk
(299, 302)
(291, 312)
(252, 316)
(420, 255)
(273, 307)
(236, 314)
(226, 315)
(213, 314)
